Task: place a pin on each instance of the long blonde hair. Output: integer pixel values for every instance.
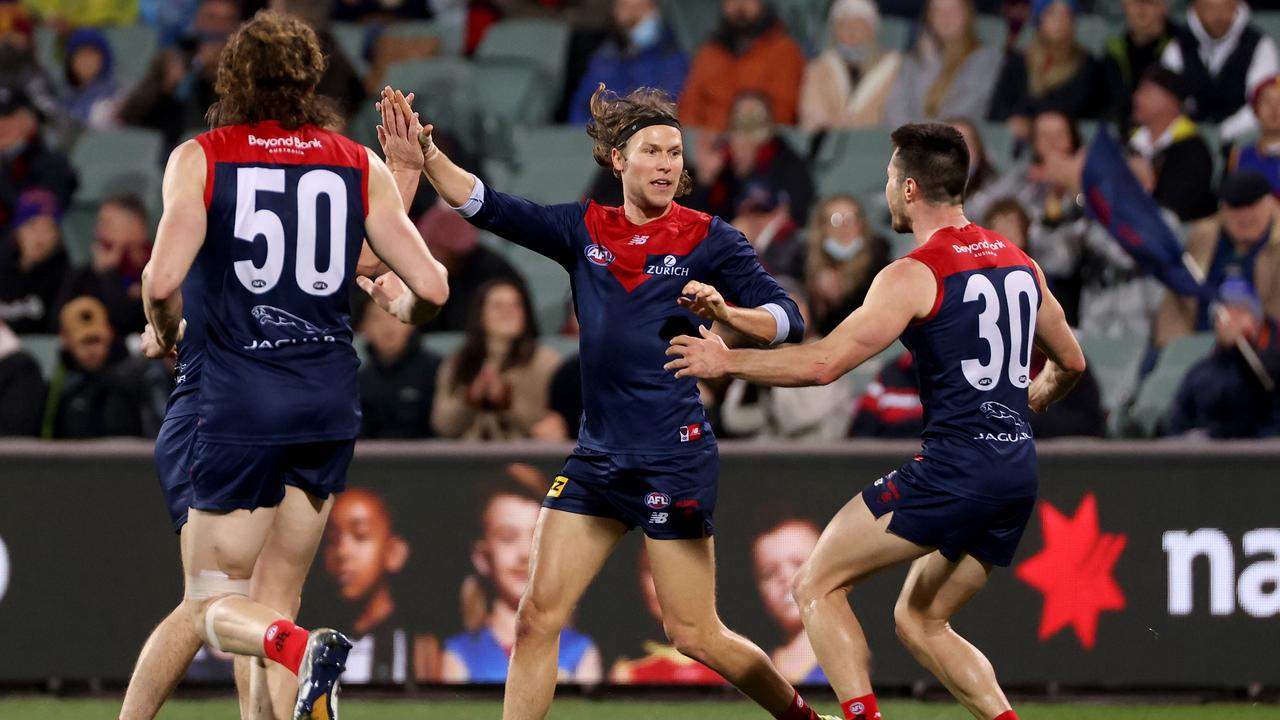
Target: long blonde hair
(952, 58)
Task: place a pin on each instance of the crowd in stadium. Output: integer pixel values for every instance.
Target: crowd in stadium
(786, 106)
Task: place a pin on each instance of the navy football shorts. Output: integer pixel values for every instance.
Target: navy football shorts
(670, 497)
(227, 477)
(954, 524)
(174, 445)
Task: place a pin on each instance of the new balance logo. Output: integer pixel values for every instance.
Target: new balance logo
(638, 240)
(658, 518)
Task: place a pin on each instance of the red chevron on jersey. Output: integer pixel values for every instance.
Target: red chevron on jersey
(269, 144)
(954, 250)
(629, 249)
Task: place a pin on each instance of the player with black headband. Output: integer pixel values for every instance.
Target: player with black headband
(642, 274)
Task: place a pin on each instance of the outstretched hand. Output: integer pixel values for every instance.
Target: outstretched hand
(704, 301)
(390, 293)
(399, 131)
(706, 357)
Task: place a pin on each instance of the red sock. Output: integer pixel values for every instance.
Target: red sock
(861, 708)
(1007, 715)
(798, 710)
(285, 643)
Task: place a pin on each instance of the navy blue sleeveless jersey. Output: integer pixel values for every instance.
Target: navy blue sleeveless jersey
(185, 398)
(626, 279)
(973, 357)
(286, 211)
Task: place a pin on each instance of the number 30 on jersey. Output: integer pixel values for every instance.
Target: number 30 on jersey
(1021, 329)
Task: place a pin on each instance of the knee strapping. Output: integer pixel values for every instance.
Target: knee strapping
(216, 586)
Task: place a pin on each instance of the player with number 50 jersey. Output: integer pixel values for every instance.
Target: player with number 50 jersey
(969, 306)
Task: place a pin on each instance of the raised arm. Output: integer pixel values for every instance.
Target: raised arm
(178, 240)
(398, 136)
(1065, 358)
(900, 293)
(397, 243)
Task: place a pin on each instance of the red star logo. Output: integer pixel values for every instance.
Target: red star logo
(1073, 571)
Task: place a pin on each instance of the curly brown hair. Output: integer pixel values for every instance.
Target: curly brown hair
(611, 115)
(268, 71)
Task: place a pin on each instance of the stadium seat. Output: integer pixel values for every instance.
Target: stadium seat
(548, 285)
(78, 227)
(540, 44)
(442, 86)
(442, 343)
(133, 47)
(806, 20)
(1268, 21)
(1156, 394)
(853, 161)
(44, 348)
(999, 142)
(133, 147)
(351, 38)
(566, 346)
(450, 37)
(1092, 31)
(692, 22)
(798, 138)
(1114, 363)
(505, 94)
(49, 54)
(894, 33)
(992, 30)
(552, 164)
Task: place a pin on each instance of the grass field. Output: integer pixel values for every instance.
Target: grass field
(46, 709)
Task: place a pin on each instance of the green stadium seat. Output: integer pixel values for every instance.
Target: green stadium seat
(442, 343)
(536, 43)
(44, 348)
(78, 226)
(552, 164)
(350, 38)
(133, 47)
(692, 20)
(450, 37)
(853, 161)
(1093, 30)
(129, 146)
(48, 50)
(1268, 21)
(999, 141)
(805, 19)
(798, 138)
(894, 33)
(992, 30)
(441, 86)
(1156, 394)
(548, 285)
(566, 346)
(503, 95)
(1114, 363)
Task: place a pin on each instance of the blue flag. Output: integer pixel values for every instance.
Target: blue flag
(1114, 198)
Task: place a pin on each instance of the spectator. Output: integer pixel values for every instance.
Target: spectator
(501, 558)
(362, 555)
(751, 50)
(1055, 74)
(32, 273)
(751, 150)
(22, 389)
(1263, 156)
(641, 52)
(800, 413)
(170, 18)
(454, 242)
(764, 217)
(1126, 57)
(1223, 395)
(26, 162)
(843, 256)
(776, 556)
(848, 85)
(983, 173)
(398, 381)
(1171, 143)
(20, 69)
(1224, 58)
(1241, 241)
(88, 393)
(92, 95)
(890, 407)
(495, 387)
(121, 249)
(1008, 219)
(177, 89)
(949, 72)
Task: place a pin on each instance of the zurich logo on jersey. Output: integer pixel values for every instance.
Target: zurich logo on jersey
(668, 267)
(1004, 415)
(657, 501)
(599, 255)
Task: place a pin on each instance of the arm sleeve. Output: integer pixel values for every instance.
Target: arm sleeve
(743, 282)
(544, 229)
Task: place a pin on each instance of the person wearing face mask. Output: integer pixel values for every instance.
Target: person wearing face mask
(843, 256)
(751, 50)
(26, 162)
(642, 51)
(33, 271)
(848, 85)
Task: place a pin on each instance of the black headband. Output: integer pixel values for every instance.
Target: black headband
(639, 125)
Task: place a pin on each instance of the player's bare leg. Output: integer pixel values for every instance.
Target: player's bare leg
(684, 574)
(854, 545)
(568, 551)
(221, 554)
(278, 577)
(935, 589)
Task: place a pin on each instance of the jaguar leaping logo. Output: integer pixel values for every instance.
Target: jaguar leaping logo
(998, 411)
(283, 320)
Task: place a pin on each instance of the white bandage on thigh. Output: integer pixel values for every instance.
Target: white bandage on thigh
(214, 584)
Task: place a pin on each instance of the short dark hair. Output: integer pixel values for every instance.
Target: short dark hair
(936, 157)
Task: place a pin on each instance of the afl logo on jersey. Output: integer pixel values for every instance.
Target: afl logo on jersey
(599, 255)
(657, 501)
